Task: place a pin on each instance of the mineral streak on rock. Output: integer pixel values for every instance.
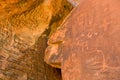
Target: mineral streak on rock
(22, 41)
(90, 41)
(74, 2)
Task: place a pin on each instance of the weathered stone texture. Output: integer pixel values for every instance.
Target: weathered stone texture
(89, 42)
(22, 41)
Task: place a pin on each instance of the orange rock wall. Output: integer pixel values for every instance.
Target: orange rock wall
(24, 29)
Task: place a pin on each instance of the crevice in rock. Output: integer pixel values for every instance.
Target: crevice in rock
(23, 42)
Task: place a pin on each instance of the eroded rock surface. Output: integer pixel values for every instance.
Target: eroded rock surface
(22, 41)
(88, 42)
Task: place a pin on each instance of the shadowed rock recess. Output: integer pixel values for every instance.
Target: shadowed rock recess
(24, 29)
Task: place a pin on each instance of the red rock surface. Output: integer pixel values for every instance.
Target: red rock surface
(89, 41)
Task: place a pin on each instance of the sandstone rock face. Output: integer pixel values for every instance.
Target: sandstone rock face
(53, 52)
(89, 42)
(23, 37)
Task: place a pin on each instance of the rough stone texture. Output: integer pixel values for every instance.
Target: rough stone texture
(53, 51)
(89, 42)
(22, 41)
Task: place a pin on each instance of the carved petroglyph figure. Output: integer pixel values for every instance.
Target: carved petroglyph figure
(87, 45)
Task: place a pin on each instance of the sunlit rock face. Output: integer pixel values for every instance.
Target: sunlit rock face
(88, 42)
(24, 29)
(11, 7)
